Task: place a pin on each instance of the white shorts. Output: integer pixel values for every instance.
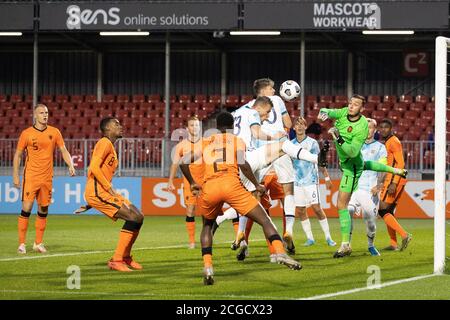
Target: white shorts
(257, 161)
(306, 196)
(284, 169)
(364, 201)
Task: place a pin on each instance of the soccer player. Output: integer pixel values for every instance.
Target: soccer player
(349, 134)
(393, 187)
(276, 124)
(223, 155)
(39, 141)
(99, 194)
(306, 185)
(366, 198)
(189, 144)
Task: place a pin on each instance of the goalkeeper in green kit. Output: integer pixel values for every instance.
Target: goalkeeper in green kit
(349, 133)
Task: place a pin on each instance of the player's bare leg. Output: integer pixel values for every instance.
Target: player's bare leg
(22, 225)
(190, 224)
(122, 259)
(40, 225)
(258, 215)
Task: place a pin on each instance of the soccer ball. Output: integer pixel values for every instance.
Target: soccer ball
(289, 90)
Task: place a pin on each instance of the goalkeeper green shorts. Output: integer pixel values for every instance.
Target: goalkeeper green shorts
(351, 174)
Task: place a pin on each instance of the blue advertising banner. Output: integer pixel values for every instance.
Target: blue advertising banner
(67, 194)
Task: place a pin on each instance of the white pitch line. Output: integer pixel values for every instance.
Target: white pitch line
(383, 285)
(67, 254)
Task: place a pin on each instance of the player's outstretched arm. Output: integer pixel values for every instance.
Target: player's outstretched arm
(325, 113)
(16, 164)
(67, 159)
(257, 133)
(173, 169)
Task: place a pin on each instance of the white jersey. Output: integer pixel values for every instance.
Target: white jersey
(244, 118)
(274, 123)
(373, 151)
(306, 173)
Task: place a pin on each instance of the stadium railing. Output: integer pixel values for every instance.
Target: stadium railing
(145, 157)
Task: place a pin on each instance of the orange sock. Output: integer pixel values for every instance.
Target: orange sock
(190, 226)
(284, 223)
(207, 260)
(40, 225)
(248, 229)
(125, 238)
(22, 228)
(236, 227)
(271, 248)
(392, 236)
(278, 246)
(127, 252)
(390, 221)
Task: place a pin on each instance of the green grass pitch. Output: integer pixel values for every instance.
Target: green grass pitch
(171, 271)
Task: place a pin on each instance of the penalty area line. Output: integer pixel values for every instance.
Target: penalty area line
(383, 285)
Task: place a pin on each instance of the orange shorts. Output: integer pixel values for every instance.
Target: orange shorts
(100, 199)
(189, 198)
(274, 190)
(391, 198)
(229, 189)
(40, 190)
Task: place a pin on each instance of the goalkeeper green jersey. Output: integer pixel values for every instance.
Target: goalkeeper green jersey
(354, 133)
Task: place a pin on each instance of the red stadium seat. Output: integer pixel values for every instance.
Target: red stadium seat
(184, 98)
(76, 99)
(422, 98)
(103, 113)
(232, 100)
(400, 106)
(245, 99)
(123, 98)
(394, 115)
(427, 115)
(154, 98)
(3, 98)
(80, 121)
(378, 115)
(160, 106)
(90, 98)
(341, 99)
(14, 98)
(12, 113)
(200, 98)
(83, 105)
(108, 98)
(310, 100)
(172, 99)
(430, 106)
(65, 121)
(74, 113)
(374, 99)
(67, 106)
(193, 107)
(95, 122)
(370, 106)
(337, 105)
(89, 113)
(129, 106)
(209, 107)
(411, 115)
(417, 106)
(215, 98)
(326, 99)
(145, 106)
(411, 136)
(23, 106)
(138, 98)
(406, 99)
(10, 130)
(405, 123)
(121, 114)
(385, 106)
(59, 113)
(400, 132)
(29, 99)
(61, 98)
(176, 106)
(421, 123)
(46, 98)
(390, 98)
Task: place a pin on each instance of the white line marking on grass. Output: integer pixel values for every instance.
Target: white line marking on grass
(386, 284)
(67, 254)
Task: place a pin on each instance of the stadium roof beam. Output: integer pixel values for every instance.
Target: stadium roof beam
(199, 37)
(79, 42)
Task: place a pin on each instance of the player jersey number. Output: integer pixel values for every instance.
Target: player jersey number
(35, 146)
(111, 161)
(220, 160)
(237, 125)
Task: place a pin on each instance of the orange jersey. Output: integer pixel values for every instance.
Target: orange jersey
(220, 155)
(394, 159)
(40, 146)
(186, 146)
(103, 164)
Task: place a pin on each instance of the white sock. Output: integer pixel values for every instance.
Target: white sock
(289, 224)
(306, 225)
(371, 228)
(229, 214)
(325, 228)
(289, 213)
(296, 152)
(242, 223)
